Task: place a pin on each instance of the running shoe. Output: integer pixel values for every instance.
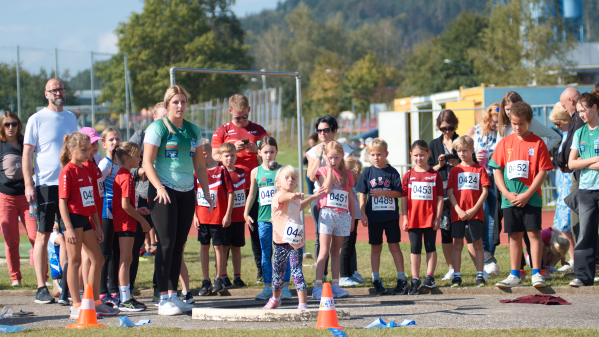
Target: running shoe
(596, 279)
(347, 282)
(265, 294)
(206, 288)
(115, 301)
(357, 277)
(106, 310)
(509, 282)
(316, 292)
(538, 281)
(447, 277)
(259, 280)
(567, 267)
(492, 268)
(18, 284)
(456, 282)
(238, 283)
(415, 287)
(75, 313)
(379, 287)
(168, 308)
(219, 285)
(576, 283)
(132, 305)
(271, 304)
(286, 293)
(546, 275)
(183, 306)
(227, 282)
(480, 282)
(187, 298)
(429, 282)
(552, 270)
(338, 292)
(43, 296)
(64, 299)
(401, 288)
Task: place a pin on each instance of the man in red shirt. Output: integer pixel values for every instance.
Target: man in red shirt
(244, 134)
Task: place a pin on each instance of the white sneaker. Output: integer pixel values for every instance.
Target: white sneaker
(538, 281)
(596, 279)
(347, 282)
(567, 268)
(48, 284)
(576, 283)
(265, 294)
(16, 283)
(449, 275)
(358, 278)
(168, 308)
(286, 293)
(492, 269)
(182, 305)
(510, 281)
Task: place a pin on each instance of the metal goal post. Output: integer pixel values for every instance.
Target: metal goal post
(261, 73)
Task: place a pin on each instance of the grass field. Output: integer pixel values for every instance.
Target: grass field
(387, 272)
(308, 332)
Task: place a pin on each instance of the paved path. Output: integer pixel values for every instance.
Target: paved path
(429, 311)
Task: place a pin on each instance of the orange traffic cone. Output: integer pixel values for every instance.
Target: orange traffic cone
(87, 313)
(327, 315)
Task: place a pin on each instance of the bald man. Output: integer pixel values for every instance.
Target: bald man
(568, 100)
(44, 135)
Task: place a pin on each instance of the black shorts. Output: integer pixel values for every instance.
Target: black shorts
(47, 207)
(236, 233)
(471, 229)
(77, 221)
(417, 234)
(125, 234)
(391, 229)
(446, 235)
(217, 233)
(521, 219)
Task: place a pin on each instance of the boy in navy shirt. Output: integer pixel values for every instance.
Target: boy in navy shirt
(380, 187)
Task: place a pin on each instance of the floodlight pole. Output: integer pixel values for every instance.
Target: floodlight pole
(298, 83)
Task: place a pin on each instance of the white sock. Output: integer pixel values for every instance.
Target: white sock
(125, 293)
(171, 295)
(302, 306)
(184, 292)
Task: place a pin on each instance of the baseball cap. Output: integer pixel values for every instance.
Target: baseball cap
(92, 133)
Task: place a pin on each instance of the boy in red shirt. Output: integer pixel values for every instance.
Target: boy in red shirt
(213, 225)
(467, 188)
(521, 162)
(236, 231)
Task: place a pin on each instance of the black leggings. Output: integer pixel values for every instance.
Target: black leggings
(140, 238)
(255, 239)
(348, 249)
(416, 234)
(172, 222)
(112, 254)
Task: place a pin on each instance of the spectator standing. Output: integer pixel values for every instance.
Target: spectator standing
(44, 135)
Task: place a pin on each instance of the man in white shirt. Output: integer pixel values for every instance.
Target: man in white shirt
(44, 134)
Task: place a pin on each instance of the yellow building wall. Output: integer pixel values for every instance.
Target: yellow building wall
(466, 117)
(402, 104)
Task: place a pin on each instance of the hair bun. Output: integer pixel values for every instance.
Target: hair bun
(595, 92)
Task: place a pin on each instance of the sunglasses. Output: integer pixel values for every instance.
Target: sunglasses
(13, 124)
(244, 117)
(325, 130)
(449, 128)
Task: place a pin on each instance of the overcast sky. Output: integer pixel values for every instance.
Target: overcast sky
(75, 27)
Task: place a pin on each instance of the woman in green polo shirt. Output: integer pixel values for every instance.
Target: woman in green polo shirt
(170, 160)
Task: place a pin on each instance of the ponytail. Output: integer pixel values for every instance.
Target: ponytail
(65, 154)
(114, 159)
(123, 149)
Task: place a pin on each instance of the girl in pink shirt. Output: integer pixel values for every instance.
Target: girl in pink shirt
(288, 235)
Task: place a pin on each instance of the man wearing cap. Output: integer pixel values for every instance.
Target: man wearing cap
(44, 135)
(244, 135)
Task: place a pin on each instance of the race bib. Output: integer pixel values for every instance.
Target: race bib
(422, 190)
(338, 198)
(383, 203)
(517, 169)
(202, 201)
(87, 196)
(468, 181)
(294, 232)
(266, 194)
(239, 199)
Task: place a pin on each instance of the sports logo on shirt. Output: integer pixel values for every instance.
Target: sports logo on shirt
(171, 153)
(387, 183)
(531, 152)
(373, 182)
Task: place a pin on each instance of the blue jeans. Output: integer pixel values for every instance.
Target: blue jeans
(310, 184)
(265, 233)
(489, 220)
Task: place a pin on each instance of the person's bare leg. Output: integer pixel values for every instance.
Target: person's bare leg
(323, 254)
(458, 246)
(205, 261)
(448, 254)
(74, 253)
(536, 248)
(40, 257)
(236, 257)
(479, 260)
(397, 256)
(184, 276)
(431, 262)
(85, 265)
(96, 261)
(515, 250)
(415, 260)
(572, 244)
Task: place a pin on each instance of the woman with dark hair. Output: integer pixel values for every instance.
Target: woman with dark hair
(13, 204)
(447, 123)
